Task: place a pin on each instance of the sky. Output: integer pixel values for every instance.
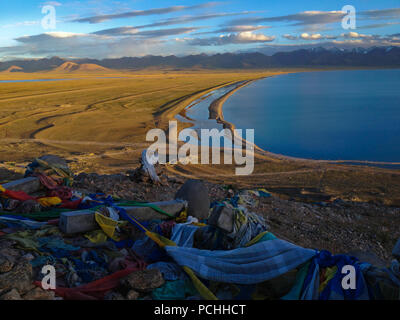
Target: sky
(111, 29)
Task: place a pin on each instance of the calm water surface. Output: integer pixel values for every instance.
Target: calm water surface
(348, 115)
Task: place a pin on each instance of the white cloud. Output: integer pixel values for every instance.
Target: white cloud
(62, 34)
(81, 45)
(232, 38)
(290, 37)
(307, 36)
(52, 3)
(353, 34)
(249, 36)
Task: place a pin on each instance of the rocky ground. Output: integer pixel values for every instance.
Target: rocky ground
(338, 226)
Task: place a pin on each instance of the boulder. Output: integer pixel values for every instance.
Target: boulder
(132, 295)
(143, 281)
(8, 252)
(196, 194)
(13, 294)
(39, 294)
(29, 206)
(20, 278)
(56, 161)
(5, 264)
(28, 185)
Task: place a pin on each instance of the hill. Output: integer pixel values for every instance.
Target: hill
(91, 67)
(75, 67)
(14, 69)
(315, 57)
(67, 67)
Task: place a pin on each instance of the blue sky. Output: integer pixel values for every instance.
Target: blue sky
(108, 29)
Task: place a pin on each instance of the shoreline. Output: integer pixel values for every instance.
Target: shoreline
(216, 112)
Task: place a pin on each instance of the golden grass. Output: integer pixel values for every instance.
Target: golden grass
(99, 122)
(116, 108)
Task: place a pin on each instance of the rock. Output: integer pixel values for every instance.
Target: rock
(114, 296)
(144, 281)
(84, 220)
(13, 294)
(56, 161)
(368, 256)
(132, 295)
(39, 294)
(28, 185)
(29, 206)
(196, 194)
(8, 252)
(222, 217)
(20, 278)
(5, 264)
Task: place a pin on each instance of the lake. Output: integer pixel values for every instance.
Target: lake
(330, 115)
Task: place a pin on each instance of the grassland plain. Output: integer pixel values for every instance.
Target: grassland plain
(98, 121)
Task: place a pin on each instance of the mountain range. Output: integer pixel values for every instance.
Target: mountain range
(315, 57)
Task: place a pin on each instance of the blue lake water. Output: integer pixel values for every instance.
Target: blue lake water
(331, 115)
(198, 113)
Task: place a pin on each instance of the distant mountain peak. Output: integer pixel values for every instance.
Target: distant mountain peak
(84, 67)
(14, 69)
(315, 57)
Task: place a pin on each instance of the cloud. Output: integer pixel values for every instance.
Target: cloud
(235, 29)
(290, 37)
(234, 38)
(139, 13)
(393, 13)
(378, 25)
(121, 31)
(53, 43)
(307, 36)
(133, 31)
(302, 18)
(167, 22)
(349, 35)
(48, 36)
(352, 35)
(51, 3)
(320, 18)
(81, 45)
(165, 32)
